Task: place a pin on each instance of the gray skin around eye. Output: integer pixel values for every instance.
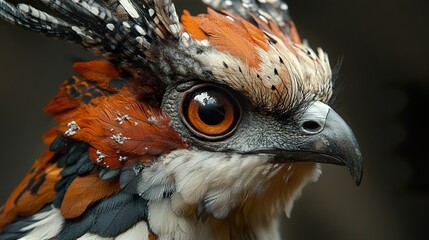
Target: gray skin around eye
(254, 131)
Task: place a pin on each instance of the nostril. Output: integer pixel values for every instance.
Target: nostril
(311, 126)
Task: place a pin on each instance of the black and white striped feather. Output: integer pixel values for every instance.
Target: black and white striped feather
(275, 10)
(122, 31)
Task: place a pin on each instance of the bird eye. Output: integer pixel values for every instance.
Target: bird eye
(210, 111)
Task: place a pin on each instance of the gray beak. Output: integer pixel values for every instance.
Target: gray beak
(326, 139)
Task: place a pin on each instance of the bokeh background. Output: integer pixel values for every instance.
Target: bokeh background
(382, 91)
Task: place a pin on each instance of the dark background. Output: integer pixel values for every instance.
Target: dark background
(382, 92)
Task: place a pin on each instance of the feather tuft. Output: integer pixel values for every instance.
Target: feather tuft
(85, 191)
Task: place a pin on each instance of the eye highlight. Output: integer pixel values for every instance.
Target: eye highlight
(210, 111)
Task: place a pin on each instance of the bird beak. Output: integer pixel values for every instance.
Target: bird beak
(326, 138)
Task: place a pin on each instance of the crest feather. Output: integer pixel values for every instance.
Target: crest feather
(227, 33)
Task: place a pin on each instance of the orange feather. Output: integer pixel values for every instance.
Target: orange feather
(152, 236)
(271, 28)
(294, 33)
(85, 191)
(192, 26)
(120, 126)
(94, 75)
(100, 72)
(227, 33)
(24, 202)
(62, 102)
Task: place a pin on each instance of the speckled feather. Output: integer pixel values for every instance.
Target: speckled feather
(96, 26)
(276, 11)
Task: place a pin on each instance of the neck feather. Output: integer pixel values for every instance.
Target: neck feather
(232, 196)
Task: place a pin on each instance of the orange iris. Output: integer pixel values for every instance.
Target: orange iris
(211, 112)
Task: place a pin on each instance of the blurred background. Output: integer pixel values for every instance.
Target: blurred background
(382, 92)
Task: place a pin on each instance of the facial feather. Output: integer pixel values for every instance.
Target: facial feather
(274, 72)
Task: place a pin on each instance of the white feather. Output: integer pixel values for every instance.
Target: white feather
(169, 225)
(49, 224)
(128, 6)
(90, 236)
(218, 183)
(138, 232)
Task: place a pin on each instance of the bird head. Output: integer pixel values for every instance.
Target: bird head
(222, 116)
(250, 100)
(254, 112)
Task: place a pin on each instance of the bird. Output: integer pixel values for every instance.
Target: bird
(201, 126)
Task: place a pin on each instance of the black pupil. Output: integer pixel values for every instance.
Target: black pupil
(211, 112)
